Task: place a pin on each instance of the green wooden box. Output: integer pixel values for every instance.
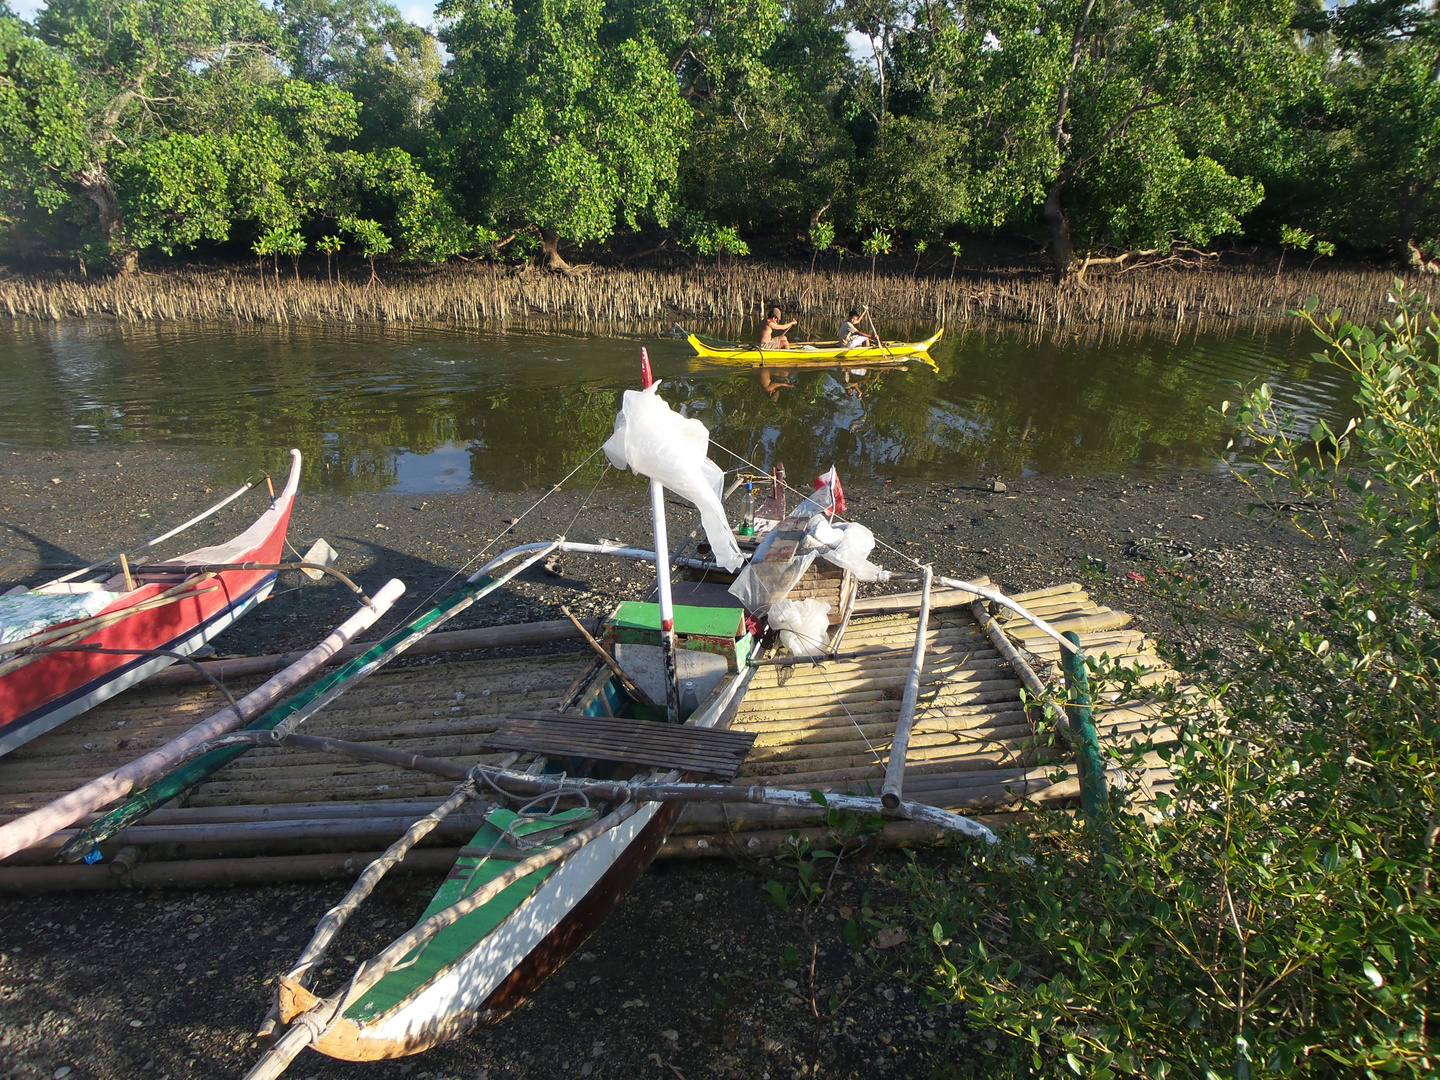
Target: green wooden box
(719, 630)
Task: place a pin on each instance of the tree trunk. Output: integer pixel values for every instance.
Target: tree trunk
(1410, 214)
(1417, 262)
(95, 183)
(1060, 242)
(550, 251)
(1063, 247)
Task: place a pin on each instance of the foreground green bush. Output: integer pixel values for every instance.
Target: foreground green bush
(1278, 916)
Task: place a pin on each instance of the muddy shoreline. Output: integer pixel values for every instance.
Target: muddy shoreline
(691, 977)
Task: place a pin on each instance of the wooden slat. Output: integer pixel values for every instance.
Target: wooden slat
(638, 742)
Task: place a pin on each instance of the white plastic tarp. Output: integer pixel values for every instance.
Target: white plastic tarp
(762, 583)
(851, 550)
(804, 625)
(27, 613)
(657, 442)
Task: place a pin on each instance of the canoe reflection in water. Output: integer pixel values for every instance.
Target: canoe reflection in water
(859, 380)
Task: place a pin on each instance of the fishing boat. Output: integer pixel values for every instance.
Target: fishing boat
(68, 645)
(588, 793)
(815, 354)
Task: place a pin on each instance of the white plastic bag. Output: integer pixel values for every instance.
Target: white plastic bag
(762, 583)
(653, 440)
(820, 534)
(804, 625)
(852, 552)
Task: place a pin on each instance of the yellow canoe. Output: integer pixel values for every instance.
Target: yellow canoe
(817, 355)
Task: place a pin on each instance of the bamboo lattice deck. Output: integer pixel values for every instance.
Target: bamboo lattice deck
(973, 749)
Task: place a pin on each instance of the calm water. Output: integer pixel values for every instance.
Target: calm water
(435, 410)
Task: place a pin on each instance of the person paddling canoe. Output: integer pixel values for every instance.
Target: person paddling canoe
(850, 335)
(773, 327)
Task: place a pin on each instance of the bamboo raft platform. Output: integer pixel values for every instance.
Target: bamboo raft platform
(280, 814)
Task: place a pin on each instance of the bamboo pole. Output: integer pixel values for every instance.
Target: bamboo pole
(360, 827)
(881, 699)
(108, 560)
(526, 785)
(486, 637)
(197, 815)
(427, 763)
(963, 670)
(722, 842)
(34, 826)
(207, 873)
(334, 919)
(924, 746)
(1005, 601)
(842, 727)
(954, 659)
(903, 602)
(1012, 656)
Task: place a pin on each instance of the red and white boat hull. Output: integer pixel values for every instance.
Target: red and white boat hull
(57, 686)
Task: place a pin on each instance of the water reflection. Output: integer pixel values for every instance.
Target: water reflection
(446, 468)
(434, 410)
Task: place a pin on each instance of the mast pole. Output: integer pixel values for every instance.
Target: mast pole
(662, 576)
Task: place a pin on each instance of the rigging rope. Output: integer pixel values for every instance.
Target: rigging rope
(495, 539)
(806, 494)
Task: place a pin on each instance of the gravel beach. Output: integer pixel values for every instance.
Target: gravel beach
(691, 978)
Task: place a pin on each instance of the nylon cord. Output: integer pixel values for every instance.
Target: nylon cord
(819, 666)
(496, 539)
(805, 495)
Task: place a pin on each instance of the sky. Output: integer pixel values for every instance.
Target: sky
(422, 14)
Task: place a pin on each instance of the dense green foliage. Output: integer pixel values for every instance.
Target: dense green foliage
(1088, 125)
(1278, 915)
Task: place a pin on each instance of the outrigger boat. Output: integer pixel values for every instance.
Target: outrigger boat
(68, 645)
(588, 793)
(815, 354)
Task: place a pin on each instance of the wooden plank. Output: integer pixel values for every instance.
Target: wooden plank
(639, 742)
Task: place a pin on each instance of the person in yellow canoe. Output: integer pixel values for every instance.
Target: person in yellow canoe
(772, 327)
(850, 335)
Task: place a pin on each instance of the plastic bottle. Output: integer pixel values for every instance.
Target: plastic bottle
(689, 700)
(747, 511)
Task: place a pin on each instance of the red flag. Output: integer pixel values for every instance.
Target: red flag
(645, 377)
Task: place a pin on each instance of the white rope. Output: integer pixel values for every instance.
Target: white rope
(805, 495)
(508, 528)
